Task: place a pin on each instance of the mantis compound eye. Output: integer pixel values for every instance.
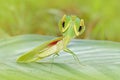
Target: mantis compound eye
(64, 24)
(80, 28)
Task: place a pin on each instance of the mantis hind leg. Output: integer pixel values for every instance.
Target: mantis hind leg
(52, 60)
(74, 55)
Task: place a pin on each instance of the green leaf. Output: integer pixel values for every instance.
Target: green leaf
(99, 60)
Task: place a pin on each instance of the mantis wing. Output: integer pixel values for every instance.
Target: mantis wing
(40, 52)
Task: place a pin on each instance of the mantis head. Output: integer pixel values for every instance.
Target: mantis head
(71, 26)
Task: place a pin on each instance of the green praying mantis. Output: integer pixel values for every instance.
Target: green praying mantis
(70, 27)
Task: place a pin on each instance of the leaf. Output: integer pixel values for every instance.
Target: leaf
(99, 60)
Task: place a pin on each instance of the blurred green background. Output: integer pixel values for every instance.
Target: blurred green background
(18, 17)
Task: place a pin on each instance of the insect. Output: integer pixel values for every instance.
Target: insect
(70, 27)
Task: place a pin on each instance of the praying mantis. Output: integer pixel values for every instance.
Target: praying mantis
(70, 27)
